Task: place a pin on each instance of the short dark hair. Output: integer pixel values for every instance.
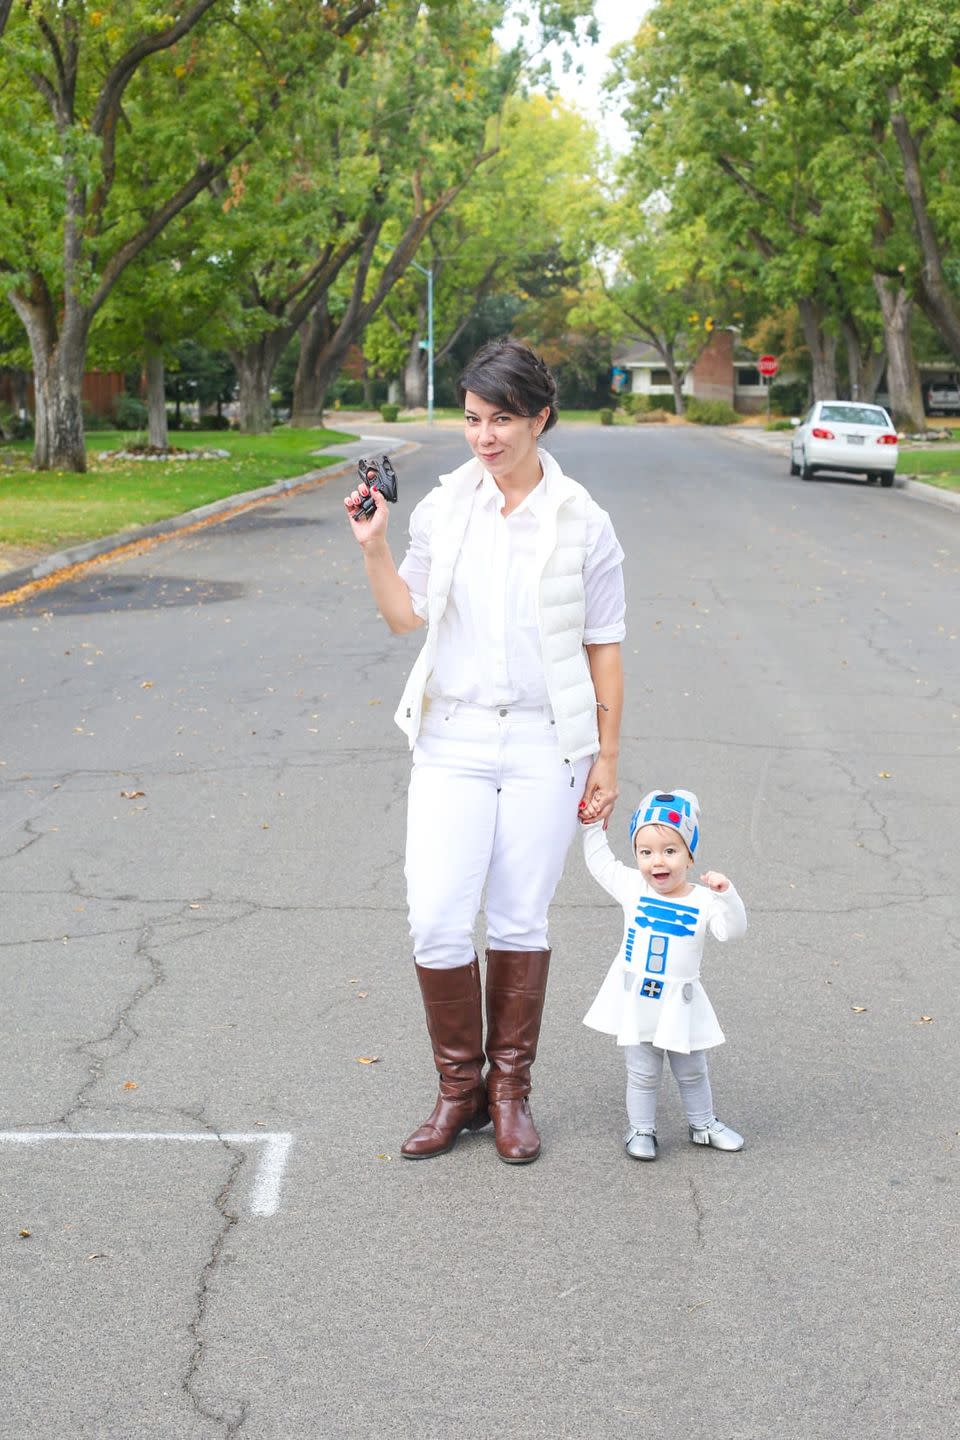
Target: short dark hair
(505, 373)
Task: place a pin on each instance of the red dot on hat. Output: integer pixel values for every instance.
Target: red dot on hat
(673, 817)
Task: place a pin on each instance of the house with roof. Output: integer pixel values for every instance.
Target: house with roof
(724, 370)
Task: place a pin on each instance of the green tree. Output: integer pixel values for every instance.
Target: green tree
(541, 183)
(453, 99)
(116, 120)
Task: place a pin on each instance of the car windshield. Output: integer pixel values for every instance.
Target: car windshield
(854, 414)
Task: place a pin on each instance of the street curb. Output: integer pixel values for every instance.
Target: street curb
(933, 494)
(43, 573)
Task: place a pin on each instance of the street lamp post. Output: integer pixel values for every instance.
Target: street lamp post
(428, 271)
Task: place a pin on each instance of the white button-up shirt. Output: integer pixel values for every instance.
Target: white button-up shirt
(488, 650)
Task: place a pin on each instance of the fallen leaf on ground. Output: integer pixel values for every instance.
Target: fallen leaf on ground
(924, 1020)
(194, 905)
(24, 1234)
(362, 994)
(883, 775)
(858, 1009)
(97, 1255)
(131, 794)
(130, 1085)
(146, 684)
(384, 1157)
(367, 1059)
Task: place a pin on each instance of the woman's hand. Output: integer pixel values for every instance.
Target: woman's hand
(600, 792)
(369, 530)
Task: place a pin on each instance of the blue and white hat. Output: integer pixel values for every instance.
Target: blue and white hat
(680, 809)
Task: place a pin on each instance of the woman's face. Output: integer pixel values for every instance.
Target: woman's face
(503, 442)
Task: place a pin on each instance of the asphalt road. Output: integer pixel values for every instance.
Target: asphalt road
(203, 928)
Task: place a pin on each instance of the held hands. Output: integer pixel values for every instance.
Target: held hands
(600, 793)
(715, 881)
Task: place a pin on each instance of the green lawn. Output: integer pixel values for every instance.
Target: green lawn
(54, 508)
(933, 466)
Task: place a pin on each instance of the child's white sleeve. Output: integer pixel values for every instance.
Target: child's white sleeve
(616, 878)
(728, 919)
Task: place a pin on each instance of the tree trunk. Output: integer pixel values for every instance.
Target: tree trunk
(415, 375)
(903, 375)
(367, 380)
(255, 365)
(933, 292)
(864, 364)
(58, 361)
(157, 435)
(823, 349)
(676, 381)
(308, 396)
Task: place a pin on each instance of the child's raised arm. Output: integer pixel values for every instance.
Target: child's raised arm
(616, 878)
(728, 918)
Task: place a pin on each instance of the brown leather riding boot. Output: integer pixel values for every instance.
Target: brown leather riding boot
(516, 984)
(451, 999)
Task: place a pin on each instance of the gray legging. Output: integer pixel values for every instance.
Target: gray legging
(644, 1067)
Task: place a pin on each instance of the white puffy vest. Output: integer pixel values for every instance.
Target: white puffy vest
(561, 610)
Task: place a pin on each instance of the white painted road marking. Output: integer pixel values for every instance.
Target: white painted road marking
(265, 1192)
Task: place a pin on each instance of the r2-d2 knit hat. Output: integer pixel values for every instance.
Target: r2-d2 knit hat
(679, 809)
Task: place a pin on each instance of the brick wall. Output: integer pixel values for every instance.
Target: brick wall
(712, 376)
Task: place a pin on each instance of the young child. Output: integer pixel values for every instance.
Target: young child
(652, 999)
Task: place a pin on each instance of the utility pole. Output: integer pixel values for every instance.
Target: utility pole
(428, 271)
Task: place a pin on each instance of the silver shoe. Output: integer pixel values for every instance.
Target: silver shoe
(720, 1136)
(641, 1144)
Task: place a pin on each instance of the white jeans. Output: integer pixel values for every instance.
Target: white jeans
(644, 1067)
(491, 802)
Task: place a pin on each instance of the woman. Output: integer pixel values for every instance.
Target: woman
(512, 710)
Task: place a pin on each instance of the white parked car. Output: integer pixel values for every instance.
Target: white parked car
(845, 435)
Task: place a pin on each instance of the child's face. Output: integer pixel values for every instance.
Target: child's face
(663, 858)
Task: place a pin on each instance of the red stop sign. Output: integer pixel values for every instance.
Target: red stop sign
(768, 365)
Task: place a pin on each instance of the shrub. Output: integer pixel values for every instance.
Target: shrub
(390, 413)
(650, 417)
(779, 425)
(92, 421)
(789, 396)
(213, 422)
(606, 417)
(663, 402)
(711, 412)
(347, 392)
(130, 413)
(632, 402)
(15, 426)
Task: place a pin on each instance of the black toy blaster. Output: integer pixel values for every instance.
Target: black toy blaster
(379, 474)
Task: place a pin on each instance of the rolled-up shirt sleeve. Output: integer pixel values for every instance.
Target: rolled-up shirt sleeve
(414, 568)
(603, 582)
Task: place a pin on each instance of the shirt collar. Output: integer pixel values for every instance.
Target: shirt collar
(488, 491)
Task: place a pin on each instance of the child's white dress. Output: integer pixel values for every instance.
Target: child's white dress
(652, 991)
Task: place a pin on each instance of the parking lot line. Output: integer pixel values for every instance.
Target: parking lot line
(265, 1191)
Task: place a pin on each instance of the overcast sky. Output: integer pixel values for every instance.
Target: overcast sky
(618, 20)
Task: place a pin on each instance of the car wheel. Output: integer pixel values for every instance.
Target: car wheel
(887, 480)
(872, 478)
(794, 467)
(806, 470)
